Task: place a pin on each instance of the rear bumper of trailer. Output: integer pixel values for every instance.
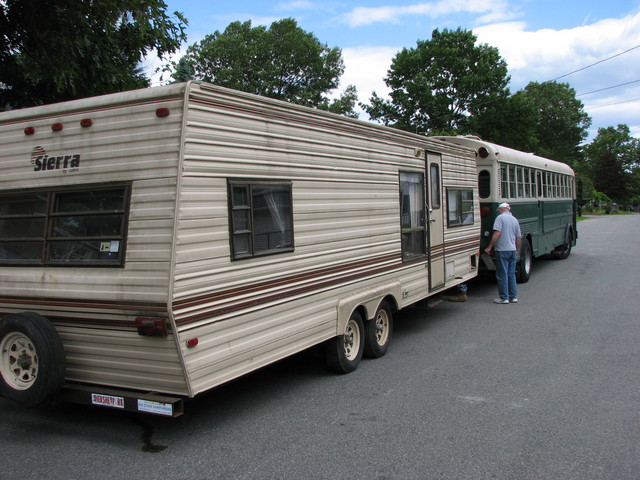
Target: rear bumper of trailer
(129, 400)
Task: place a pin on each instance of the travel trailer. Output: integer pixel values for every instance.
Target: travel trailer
(157, 243)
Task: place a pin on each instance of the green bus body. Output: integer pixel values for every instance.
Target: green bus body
(543, 223)
(540, 191)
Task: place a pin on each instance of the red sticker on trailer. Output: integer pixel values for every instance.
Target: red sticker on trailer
(107, 400)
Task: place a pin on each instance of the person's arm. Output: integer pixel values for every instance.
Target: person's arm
(518, 243)
(494, 239)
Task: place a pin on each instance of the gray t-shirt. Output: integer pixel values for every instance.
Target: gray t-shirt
(509, 229)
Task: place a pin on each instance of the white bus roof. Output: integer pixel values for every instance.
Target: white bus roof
(507, 155)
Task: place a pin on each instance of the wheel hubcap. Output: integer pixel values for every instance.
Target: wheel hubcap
(382, 327)
(351, 340)
(19, 362)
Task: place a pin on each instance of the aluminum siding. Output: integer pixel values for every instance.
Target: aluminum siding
(345, 175)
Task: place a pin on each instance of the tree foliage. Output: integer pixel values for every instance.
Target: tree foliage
(508, 121)
(182, 70)
(437, 86)
(612, 161)
(56, 50)
(345, 104)
(558, 120)
(545, 118)
(282, 61)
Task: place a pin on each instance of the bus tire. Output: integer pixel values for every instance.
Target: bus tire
(31, 359)
(378, 332)
(344, 352)
(563, 251)
(523, 268)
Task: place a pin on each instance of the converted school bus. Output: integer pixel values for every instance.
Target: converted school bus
(157, 243)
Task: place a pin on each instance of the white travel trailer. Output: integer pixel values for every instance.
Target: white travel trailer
(157, 243)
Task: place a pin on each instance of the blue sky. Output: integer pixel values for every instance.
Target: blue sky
(539, 39)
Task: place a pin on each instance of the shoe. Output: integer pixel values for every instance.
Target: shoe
(500, 301)
(461, 297)
(514, 300)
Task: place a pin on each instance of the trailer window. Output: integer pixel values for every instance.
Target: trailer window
(64, 227)
(412, 215)
(261, 218)
(459, 207)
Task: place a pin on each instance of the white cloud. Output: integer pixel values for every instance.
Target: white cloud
(493, 10)
(582, 52)
(296, 5)
(545, 54)
(366, 68)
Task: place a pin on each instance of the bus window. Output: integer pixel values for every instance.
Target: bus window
(546, 190)
(520, 179)
(540, 184)
(484, 184)
(527, 182)
(504, 181)
(512, 181)
(571, 188)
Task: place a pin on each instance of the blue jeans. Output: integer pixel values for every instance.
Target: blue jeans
(506, 274)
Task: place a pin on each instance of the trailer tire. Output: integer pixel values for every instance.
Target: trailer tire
(378, 332)
(523, 268)
(344, 352)
(31, 359)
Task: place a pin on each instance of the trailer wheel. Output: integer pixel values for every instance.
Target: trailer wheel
(378, 332)
(31, 359)
(344, 352)
(523, 268)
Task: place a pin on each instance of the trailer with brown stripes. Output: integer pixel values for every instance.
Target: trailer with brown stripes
(157, 243)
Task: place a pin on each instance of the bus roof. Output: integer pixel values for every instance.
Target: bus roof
(506, 155)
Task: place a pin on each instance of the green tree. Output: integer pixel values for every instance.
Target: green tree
(282, 61)
(508, 121)
(559, 122)
(613, 161)
(437, 86)
(183, 70)
(343, 105)
(56, 50)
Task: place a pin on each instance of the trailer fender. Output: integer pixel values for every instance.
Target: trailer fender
(368, 300)
(31, 359)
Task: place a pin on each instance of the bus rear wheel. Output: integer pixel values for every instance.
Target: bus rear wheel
(523, 269)
(31, 359)
(563, 251)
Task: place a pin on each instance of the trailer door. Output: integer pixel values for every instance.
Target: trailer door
(435, 247)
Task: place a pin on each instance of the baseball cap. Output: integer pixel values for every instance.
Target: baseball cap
(505, 205)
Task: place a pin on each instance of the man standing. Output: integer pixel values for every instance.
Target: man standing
(507, 239)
